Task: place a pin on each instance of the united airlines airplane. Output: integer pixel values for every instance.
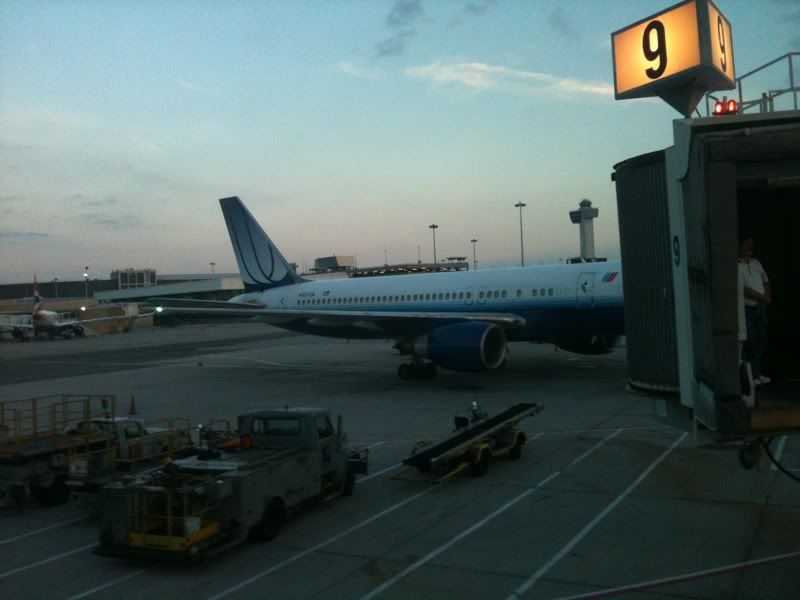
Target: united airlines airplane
(455, 320)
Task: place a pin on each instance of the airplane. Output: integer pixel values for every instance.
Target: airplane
(461, 320)
(22, 326)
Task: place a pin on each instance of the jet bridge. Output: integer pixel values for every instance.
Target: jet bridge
(682, 212)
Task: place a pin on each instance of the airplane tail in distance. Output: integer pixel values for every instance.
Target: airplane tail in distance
(37, 299)
(261, 264)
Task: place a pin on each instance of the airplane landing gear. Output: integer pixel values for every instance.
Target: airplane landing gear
(417, 370)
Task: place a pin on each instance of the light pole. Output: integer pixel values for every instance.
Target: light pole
(474, 260)
(212, 263)
(433, 228)
(521, 205)
(419, 255)
(86, 281)
(55, 281)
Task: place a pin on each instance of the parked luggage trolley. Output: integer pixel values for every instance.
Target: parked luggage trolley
(475, 440)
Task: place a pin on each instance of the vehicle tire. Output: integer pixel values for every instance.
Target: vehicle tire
(480, 467)
(349, 482)
(429, 371)
(54, 495)
(404, 371)
(515, 452)
(271, 522)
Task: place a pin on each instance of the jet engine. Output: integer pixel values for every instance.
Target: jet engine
(469, 346)
(596, 344)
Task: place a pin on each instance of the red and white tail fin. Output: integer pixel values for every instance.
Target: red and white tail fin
(37, 300)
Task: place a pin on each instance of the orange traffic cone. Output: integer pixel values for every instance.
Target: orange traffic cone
(132, 409)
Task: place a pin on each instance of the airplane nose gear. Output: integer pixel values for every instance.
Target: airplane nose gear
(418, 369)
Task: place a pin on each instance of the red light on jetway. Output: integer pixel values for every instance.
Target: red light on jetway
(725, 107)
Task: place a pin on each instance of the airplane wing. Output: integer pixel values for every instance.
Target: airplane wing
(387, 320)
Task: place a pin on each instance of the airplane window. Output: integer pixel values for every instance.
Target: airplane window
(504, 294)
(441, 296)
(519, 293)
(447, 296)
(550, 292)
(469, 295)
(480, 295)
(415, 297)
(534, 293)
(427, 296)
(543, 292)
(496, 294)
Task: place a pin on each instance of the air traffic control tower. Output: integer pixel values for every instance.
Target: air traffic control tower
(584, 217)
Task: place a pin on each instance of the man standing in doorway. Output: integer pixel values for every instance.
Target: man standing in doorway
(757, 296)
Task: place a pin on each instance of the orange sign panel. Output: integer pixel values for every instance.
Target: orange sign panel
(721, 42)
(664, 45)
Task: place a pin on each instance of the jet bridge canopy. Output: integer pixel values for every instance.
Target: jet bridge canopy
(724, 178)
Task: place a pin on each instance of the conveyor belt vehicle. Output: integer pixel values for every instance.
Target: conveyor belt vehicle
(475, 440)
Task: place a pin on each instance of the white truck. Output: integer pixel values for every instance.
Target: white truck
(281, 460)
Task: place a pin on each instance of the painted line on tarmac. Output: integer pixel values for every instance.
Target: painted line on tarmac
(44, 561)
(646, 585)
(413, 567)
(100, 588)
(593, 448)
(381, 472)
(41, 530)
(637, 428)
(516, 594)
(779, 452)
(375, 444)
(320, 545)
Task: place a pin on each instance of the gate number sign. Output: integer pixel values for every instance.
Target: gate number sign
(687, 44)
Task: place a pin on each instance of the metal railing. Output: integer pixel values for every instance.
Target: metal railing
(766, 101)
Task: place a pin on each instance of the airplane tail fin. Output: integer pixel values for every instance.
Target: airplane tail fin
(261, 264)
(37, 299)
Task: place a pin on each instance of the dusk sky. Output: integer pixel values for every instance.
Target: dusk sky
(347, 127)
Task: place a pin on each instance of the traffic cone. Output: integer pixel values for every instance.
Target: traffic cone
(132, 409)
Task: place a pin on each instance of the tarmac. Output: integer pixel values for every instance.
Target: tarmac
(606, 501)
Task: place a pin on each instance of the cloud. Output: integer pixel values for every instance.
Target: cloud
(482, 76)
(191, 86)
(9, 198)
(105, 202)
(394, 45)
(352, 70)
(561, 22)
(110, 221)
(404, 13)
(479, 7)
(22, 235)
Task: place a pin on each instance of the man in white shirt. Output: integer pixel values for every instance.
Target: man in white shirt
(757, 296)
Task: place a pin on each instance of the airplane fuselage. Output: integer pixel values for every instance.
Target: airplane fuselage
(556, 301)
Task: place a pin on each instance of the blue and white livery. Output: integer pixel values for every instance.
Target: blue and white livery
(456, 320)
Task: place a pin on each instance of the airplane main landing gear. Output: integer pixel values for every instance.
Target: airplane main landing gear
(417, 370)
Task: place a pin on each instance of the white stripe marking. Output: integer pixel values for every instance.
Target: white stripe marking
(389, 582)
(779, 452)
(327, 542)
(381, 472)
(593, 448)
(516, 594)
(45, 561)
(42, 530)
(645, 585)
(106, 585)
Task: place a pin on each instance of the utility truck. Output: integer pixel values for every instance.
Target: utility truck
(280, 461)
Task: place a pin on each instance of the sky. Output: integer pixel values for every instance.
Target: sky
(346, 127)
